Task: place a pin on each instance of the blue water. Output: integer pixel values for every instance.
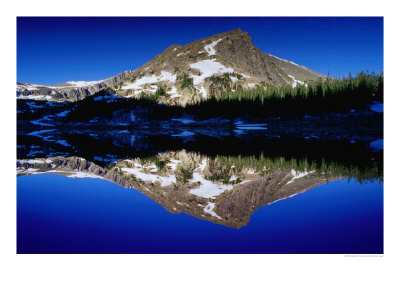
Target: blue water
(57, 214)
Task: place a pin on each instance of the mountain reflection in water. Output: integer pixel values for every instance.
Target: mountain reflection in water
(218, 176)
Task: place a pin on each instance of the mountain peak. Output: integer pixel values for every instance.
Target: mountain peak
(209, 67)
(233, 32)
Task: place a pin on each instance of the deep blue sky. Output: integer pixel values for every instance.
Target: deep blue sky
(56, 50)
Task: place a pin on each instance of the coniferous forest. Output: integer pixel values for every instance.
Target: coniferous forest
(330, 95)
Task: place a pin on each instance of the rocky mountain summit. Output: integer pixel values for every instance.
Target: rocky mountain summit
(188, 74)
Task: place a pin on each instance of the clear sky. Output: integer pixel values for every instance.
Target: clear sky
(56, 50)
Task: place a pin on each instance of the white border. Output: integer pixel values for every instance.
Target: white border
(198, 276)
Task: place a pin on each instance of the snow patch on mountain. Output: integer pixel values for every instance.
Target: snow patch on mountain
(164, 76)
(287, 61)
(207, 188)
(32, 87)
(68, 84)
(210, 209)
(208, 68)
(84, 175)
(203, 92)
(210, 47)
(174, 93)
(295, 81)
(138, 173)
(31, 161)
(203, 165)
(83, 83)
(173, 164)
(297, 175)
(30, 96)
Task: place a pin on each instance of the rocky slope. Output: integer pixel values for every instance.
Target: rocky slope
(197, 185)
(69, 91)
(190, 73)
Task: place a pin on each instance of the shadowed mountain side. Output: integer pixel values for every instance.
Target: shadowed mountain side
(237, 207)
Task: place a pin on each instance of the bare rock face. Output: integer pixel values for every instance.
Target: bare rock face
(69, 91)
(190, 73)
(69, 166)
(238, 206)
(238, 49)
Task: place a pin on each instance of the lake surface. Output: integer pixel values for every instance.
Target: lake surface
(57, 214)
(124, 191)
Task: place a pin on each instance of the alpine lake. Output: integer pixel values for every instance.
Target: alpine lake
(181, 188)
